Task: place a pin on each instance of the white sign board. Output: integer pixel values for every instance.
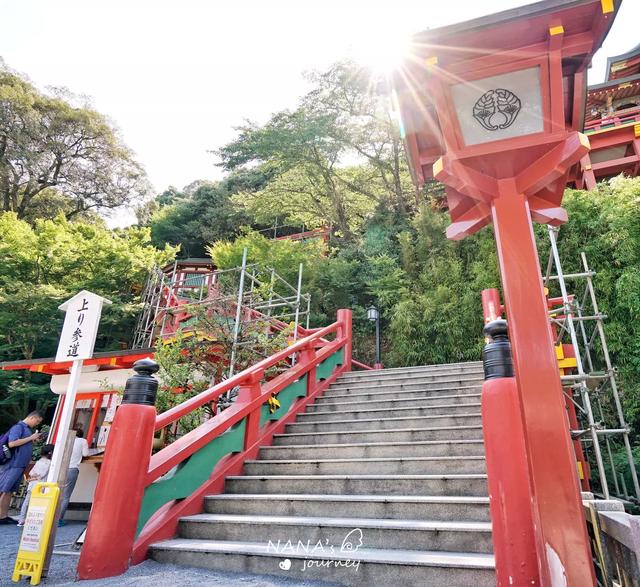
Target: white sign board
(80, 326)
(499, 107)
(32, 532)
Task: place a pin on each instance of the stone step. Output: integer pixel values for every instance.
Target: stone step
(473, 509)
(400, 371)
(332, 397)
(391, 410)
(380, 435)
(386, 423)
(368, 466)
(361, 568)
(427, 448)
(368, 532)
(418, 401)
(468, 485)
(411, 383)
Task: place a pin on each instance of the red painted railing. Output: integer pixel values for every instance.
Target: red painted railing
(618, 119)
(111, 543)
(361, 365)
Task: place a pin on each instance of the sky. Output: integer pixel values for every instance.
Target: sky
(177, 77)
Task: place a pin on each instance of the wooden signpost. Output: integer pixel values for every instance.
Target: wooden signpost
(77, 340)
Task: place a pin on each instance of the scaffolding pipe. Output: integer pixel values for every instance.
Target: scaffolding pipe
(612, 380)
(614, 473)
(584, 391)
(297, 314)
(236, 326)
(271, 284)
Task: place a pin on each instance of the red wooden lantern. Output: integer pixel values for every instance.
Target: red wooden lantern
(492, 108)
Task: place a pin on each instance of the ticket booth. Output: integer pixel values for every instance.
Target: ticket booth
(99, 394)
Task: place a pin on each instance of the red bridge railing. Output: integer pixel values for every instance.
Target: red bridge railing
(140, 498)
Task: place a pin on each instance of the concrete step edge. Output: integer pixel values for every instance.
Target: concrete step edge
(408, 376)
(392, 409)
(366, 460)
(365, 555)
(398, 419)
(420, 499)
(425, 525)
(338, 384)
(377, 431)
(435, 366)
(444, 477)
(328, 393)
(373, 444)
(409, 399)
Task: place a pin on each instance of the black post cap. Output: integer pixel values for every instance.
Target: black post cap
(146, 367)
(496, 328)
(496, 355)
(142, 387)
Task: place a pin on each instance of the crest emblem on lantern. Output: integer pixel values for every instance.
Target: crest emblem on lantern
(497, 109)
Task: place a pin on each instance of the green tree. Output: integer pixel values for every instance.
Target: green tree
(342, 119)
(48, 142)
(46, 263)
(203, 212)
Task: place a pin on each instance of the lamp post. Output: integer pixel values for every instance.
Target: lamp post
(492, 109)
(373, 314)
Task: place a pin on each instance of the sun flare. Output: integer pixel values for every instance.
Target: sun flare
(382, 53)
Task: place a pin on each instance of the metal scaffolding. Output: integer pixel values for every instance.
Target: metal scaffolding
(236, 297)
(579, 320)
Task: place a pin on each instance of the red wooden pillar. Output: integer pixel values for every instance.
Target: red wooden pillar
(344, 318)
(577, 445)
(491, 306)
(562, 542)
(308, 357)
(116, 504)
(509, 485)
(250, 390)
(588, 178)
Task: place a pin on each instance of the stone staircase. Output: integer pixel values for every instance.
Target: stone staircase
(380, 482)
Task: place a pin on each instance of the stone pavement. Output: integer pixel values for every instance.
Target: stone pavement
(148, 574)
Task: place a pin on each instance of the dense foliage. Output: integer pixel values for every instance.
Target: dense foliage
(56, 156)
(335, 160)
(48, 262)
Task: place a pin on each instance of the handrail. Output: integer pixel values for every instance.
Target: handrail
(186, 445)
(617, 119)
(361, 365)
(213, 393)
(136, 506)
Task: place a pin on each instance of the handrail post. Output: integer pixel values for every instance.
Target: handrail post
(308, 357)
(249, 390)
(345, 332)
(116, 506)
(491, 305)
(508, 480)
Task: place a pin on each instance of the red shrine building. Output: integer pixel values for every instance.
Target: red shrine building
(612, 123)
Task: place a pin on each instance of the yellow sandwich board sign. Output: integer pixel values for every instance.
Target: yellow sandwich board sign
(35, 534)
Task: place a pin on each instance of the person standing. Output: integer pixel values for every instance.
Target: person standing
(20, 443)
(38, 473)
(80, 450)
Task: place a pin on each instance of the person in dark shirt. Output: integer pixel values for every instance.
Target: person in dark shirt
(20, 442)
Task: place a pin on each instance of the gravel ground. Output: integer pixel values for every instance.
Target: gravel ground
(148, 574)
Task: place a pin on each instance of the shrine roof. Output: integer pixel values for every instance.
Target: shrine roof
(530, 26)
(624, 65)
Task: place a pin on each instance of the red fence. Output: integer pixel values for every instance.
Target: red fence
(139, 499)
(618, 119)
